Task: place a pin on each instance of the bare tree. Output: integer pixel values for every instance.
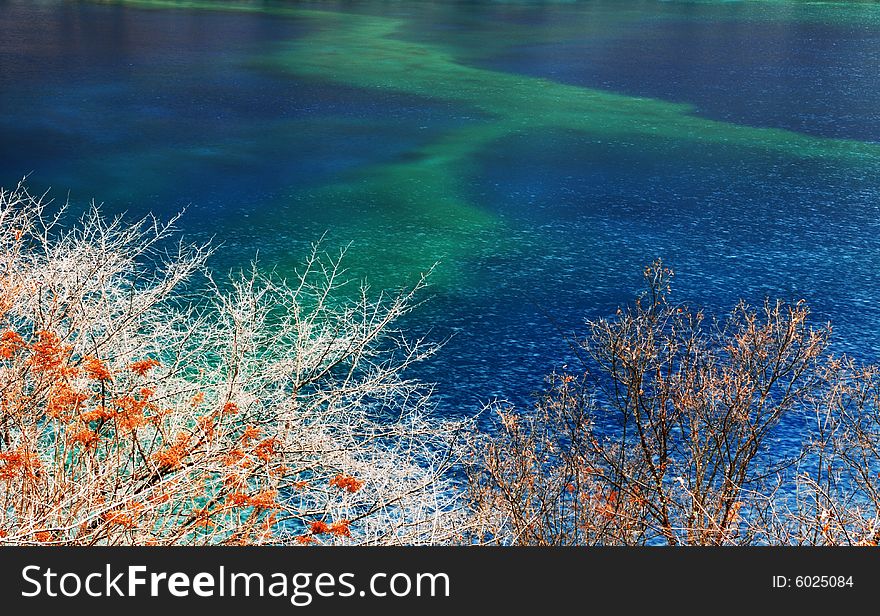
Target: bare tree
(667, 437)
(835, 499)
(139, 406)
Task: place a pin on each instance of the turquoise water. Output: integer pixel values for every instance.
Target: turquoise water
(542, 152)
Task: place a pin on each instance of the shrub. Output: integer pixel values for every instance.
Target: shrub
(141, 406)
(670, 436)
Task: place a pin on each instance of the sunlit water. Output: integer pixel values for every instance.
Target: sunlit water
(543, 153)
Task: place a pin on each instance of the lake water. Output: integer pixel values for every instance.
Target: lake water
(542, 152)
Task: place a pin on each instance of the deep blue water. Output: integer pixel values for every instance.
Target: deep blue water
(160, 110)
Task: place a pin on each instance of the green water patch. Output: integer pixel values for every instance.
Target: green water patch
(417, 210)
(362, 51)
(401, 217)
(425, 192)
